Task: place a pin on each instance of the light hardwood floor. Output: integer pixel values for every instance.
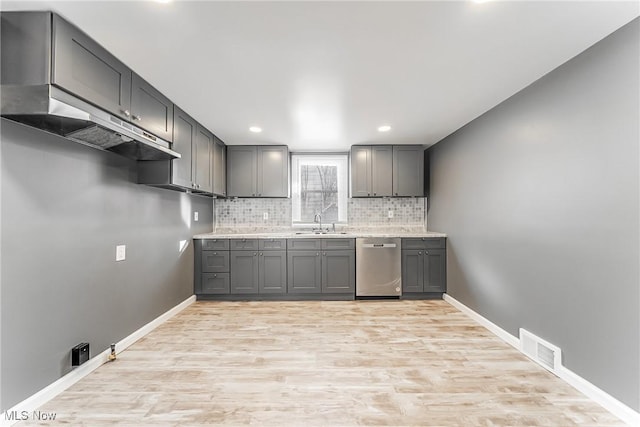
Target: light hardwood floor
(323, 363)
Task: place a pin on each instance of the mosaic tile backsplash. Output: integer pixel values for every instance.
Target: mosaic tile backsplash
(248, 214)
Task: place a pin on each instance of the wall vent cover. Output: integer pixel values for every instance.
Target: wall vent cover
(545, 354)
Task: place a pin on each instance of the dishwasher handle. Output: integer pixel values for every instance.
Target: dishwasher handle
(379, 245)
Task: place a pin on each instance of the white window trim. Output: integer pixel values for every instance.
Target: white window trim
(343, 184)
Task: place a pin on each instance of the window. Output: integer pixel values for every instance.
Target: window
(319, 185)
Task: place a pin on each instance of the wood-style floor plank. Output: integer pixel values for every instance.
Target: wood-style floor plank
(311, 363)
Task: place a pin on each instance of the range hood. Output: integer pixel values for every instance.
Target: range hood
(53, 110)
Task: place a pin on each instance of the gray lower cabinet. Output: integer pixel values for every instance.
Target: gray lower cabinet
(324, 270)
(256, 268)
(305, 274)
(244, 272)
(424, 266)
(272, 272)
(211, 267)
(258, 171)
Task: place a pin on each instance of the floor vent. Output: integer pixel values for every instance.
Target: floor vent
(540, 351)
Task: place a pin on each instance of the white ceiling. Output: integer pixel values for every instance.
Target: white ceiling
(322, 76)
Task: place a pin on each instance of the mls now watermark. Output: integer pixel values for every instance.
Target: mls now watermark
(26, 416)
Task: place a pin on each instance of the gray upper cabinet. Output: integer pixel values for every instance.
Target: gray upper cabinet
(408, 170)
(387, 170)
(273, 171)
(381, 168)
(151, 110)
(184, 138)
(190, 172)
(371, 170)
(257, 171)
(86, 69)
(242, 168)
(201, 160)
(219, 168)
(360, 171)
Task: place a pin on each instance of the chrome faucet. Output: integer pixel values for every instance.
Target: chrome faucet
(318, 219)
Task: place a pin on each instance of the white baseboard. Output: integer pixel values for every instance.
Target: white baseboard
(610, 403)
(32, 403)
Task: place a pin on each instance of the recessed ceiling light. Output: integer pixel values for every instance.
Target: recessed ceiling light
(385, 128)
(255, 129)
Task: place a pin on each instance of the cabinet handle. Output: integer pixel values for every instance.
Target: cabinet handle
(419, 253)
(254, 254)
(396, 194)
(138, 118)
(426, 252)
(261, 254)
(215, 253)
(374, 194)
(215, 275)
(244, 240)
(254, 194)
(368, 194)
(125, 112)
(317, 254)
(324, 253)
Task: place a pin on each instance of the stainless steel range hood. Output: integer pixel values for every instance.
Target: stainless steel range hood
(53, 110)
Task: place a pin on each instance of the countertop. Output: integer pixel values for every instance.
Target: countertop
(309, 235)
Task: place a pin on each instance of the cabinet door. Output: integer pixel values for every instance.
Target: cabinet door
(338, 272)
(408, 170)
(242, 167)
(272, 272)
(184, 139)
(202, 160)
(151, 110)
(435, 270)
(219, 168)
(273, 171)
(381, 170)
(215, 261)
(413, 263)
(84, 68)
(215, 283)
(244, 272)
(360, 171)
(304, 274)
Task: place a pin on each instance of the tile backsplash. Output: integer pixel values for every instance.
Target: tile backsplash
(234, 214)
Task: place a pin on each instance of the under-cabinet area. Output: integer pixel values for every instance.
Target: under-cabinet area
(303, 268)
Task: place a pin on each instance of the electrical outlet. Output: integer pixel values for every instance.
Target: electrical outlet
(121, 252)
(195, 216)
(390, 214)
(265, 216)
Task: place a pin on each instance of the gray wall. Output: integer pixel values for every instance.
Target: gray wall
(64, 208)
(540, 199)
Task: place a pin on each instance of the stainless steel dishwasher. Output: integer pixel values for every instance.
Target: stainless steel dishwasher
(378, 267)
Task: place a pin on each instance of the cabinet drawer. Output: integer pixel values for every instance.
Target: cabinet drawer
(272, 244)
(424, 243)
(331, 243)
(215, 261)
(215, 283)
(215, 244)
(244, 244)
(304, 244)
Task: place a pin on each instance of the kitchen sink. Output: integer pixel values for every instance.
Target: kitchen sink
(312, 233)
